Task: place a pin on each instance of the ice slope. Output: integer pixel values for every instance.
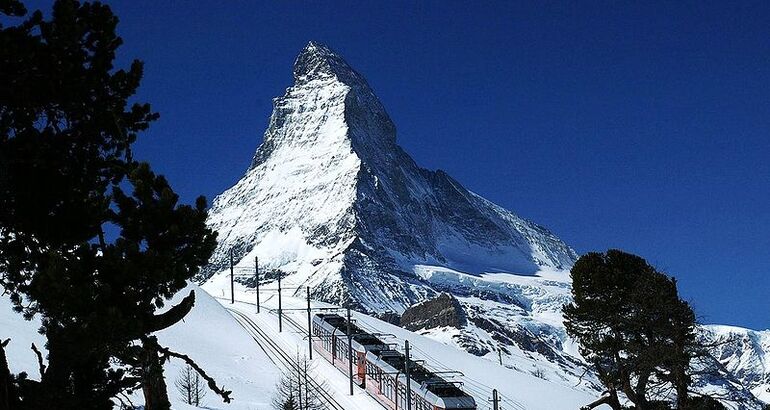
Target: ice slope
(208, 334)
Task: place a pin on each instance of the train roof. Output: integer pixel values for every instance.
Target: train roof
(420, 374)
(361, 336)
(445, 393)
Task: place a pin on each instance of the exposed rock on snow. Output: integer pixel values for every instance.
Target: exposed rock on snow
(443, 311)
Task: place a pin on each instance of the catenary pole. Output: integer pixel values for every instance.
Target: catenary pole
(495, 400)
(350, 353)
(309, 327)
(280, 311)
(232, 280)
(256, 273)
(408, 378)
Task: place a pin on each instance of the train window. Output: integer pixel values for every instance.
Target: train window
(388, 389)
(327, 341)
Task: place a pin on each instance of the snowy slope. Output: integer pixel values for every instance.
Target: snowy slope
(208, 334)
(22, 334)
(211, 336)
(519, 390)
(216, 340)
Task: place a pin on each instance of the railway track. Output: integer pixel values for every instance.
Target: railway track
(278, 356)
(293, 323)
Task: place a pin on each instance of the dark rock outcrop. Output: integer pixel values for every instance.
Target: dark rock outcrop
(441, 311)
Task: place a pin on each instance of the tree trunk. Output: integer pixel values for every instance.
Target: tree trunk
(54, 387)
(5, 379)
(153, 383)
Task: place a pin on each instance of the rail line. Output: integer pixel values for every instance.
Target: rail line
(470, 383)
(279, 354)
(299, 328)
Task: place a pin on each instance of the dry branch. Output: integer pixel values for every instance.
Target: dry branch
(225, 394)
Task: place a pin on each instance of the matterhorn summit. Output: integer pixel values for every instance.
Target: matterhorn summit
(333, 202)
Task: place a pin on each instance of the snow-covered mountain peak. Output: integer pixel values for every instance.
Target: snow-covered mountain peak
(329, 103)
(317, 60)
(359, 210)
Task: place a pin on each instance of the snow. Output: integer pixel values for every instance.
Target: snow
(208, 334)
(215, 340)
(520, 389)
(22, 333)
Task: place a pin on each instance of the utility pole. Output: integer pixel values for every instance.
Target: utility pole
(350, 353)
(280, 311)
(408, 378)
(495, 400)
(256, 273)
(232, 279)
(309, 327)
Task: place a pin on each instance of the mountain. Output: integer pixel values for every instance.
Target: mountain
(331, 202)
(742, 353)
(330, 197)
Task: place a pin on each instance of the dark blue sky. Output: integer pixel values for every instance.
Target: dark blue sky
(644, 127)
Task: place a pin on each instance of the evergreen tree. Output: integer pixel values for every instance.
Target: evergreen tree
(632, 328)
(91, 240)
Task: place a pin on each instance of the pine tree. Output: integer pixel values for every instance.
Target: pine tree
(632, 327)
(91, 240)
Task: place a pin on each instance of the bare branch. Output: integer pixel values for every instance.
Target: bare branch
(225, 394)
(40, 365)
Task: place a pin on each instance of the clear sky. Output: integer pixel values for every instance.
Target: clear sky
(636, 125)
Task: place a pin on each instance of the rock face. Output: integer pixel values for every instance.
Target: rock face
(743, 354)
(442, 311)
(331, 201)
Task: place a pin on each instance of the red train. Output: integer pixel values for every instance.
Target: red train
(380, 369)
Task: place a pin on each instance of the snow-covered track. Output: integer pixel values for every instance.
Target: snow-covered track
(278, 355)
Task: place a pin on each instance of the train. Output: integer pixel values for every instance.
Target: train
(380, 369)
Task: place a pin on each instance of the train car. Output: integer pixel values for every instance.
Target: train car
(331, 340)
(386, 380)
(381, 370)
